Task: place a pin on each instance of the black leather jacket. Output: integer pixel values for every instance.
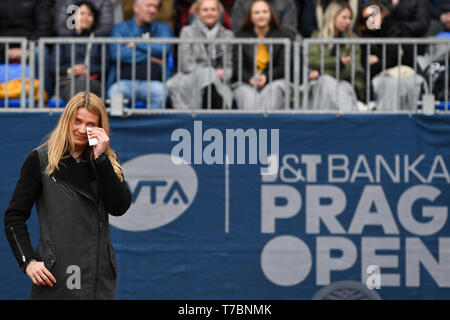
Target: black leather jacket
(73, 205)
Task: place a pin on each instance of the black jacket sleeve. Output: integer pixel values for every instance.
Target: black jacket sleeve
(19, 210)
(115, 194)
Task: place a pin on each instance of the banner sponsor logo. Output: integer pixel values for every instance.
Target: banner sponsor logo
(161, 192)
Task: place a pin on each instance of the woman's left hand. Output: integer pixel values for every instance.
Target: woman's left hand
(102, 140)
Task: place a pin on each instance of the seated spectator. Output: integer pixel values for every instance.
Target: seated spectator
(30, 19)
(285, 11)
(84, 55)
(186, 13)
(411, 17)
(337, 24)
(203, 65)
(141, 25)
(260, 90)
(322, 5)
(65, 22)
(385, 82)
(433, 62)
(439, 16)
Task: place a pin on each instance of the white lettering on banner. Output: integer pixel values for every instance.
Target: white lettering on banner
(420, 255)
(332, 167)
(213, 153)
(383, 216)
(316, 212)
(438, 214)
(326, 264)
(287, 260)
(364, 174)
(369, 247)
(270, 211)
(419, 209)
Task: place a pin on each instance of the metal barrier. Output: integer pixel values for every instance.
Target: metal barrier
(165, 42)
(298, 58)
(6, 42)
(368, 42)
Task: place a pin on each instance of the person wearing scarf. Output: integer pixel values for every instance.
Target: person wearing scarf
(205, 69)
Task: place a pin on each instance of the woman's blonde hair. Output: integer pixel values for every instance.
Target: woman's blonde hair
(61, 138)
(332, 11)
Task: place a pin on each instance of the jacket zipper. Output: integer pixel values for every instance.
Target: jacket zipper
(98, 258)
(71, 186)
(18, 244)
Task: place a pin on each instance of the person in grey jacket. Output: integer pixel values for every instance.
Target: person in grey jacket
(205, 68)
(65, 19)
(74, 186)
(285, 12)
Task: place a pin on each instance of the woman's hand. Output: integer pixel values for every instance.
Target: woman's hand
(102, 140)
(373, 59)
(39, 274)
(80, 70)
(220, 73)
(313, 74)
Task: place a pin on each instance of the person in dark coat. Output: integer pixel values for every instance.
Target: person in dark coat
(387, 29)
(64, 19)
(285, 12)
(412, 17)
(30, 19)
(84, 54)
(75, 187)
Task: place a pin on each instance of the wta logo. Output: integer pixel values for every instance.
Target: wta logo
(161, 192)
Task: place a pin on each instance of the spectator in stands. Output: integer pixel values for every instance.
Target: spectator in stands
(439, 16)
(141, 25)
(384, 81)
(87, 57)
(65, 22)
(203, 66)
(285, 11)
(30, 19)
(186, 13)
(433, 62)
(261, 90)
(386, 29)
(337, 24)
(322, 5)
(411, 17)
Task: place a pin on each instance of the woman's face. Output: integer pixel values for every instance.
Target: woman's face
(343, 21)
(86, 17)
(208, 13)
(83, 119)
(260, 14)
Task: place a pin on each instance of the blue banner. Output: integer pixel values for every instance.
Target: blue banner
(355, 201)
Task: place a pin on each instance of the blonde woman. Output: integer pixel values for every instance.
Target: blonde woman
(205, 68)
(74, 186)
(337, 24)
